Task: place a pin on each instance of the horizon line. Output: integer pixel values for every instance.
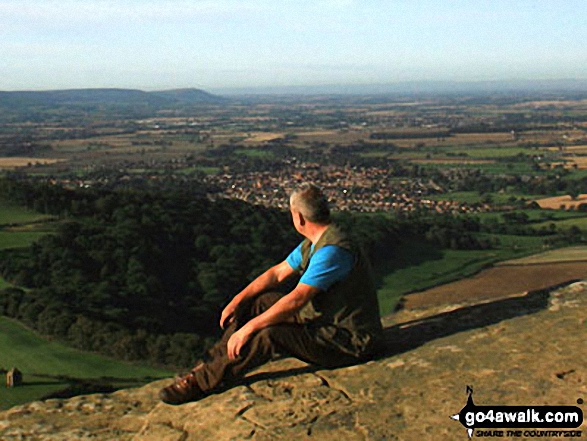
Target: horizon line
(435, 86)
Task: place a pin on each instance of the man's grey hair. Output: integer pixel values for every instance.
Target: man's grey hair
(309, 200)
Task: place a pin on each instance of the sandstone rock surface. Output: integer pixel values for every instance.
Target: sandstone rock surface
(525, 350)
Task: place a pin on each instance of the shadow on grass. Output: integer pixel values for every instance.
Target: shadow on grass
(43, 383)
(404, 255)
(82, 386)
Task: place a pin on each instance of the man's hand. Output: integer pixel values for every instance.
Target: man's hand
(227, 316)
(237, 341)
(269, 279)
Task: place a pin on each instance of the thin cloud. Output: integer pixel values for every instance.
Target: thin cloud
(75, 12)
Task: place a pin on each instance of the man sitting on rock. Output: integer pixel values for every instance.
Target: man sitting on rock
(331, 318)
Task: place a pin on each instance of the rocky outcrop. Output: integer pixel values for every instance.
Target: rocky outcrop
(525, 350)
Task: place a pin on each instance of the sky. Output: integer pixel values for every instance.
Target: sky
(223, 44)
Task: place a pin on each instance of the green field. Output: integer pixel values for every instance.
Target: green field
(536, 218)
(30, 225)
(569, 254)
(579, 222)
(473, 197)
(12, 239)
(41, 362)
(490, 152)
(417, 265)
(4, 284)
(13, 214)
(203, 169)
(497, 168)
(255, 153)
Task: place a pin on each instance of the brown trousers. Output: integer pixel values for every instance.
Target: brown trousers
(294, 339)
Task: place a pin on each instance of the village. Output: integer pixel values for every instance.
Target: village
(355, 189)
(352, 188)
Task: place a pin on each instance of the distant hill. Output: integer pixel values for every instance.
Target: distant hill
(190, 96)
(111, 97)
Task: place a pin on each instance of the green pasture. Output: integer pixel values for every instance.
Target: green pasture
(539, 219)
(512, 246)
(568, 254)
(578, 174)
(203, 169)
(49, 367)
(13, 239)
(13, 214)
(497, 168)
(579, 222)
(491, 152)
(473, 197)
(255, 153)
(30, 225)
(376, 154)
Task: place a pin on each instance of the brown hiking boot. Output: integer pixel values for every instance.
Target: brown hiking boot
(183, 390)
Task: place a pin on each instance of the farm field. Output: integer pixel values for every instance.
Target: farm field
(473, 197)
(502, 281)
(42, 362)
(15, 162)
(14, 214)
(20, 227)
(577, 161)
(579, 222)
(12, 239)
(417, 266)
(487, 166)
(577, 149)
(569, 254)
(258, 137)
(555, 203)
(538, 218)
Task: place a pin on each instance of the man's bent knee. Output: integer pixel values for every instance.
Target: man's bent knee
(264, 301)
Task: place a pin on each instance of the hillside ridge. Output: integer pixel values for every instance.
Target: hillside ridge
(108, 96)
(521, 350)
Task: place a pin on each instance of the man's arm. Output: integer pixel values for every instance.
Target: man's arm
(269, 279)
(282, 311)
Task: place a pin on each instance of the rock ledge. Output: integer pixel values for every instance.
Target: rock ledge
(525, 350)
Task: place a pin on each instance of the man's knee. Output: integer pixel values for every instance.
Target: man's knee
(263, 342)
(264, 301)
(265, 336)
(280, 339)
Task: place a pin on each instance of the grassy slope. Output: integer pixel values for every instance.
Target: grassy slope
(33, 355)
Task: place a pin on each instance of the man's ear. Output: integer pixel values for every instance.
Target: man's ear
(302, 220)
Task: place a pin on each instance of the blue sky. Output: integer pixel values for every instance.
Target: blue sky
(148, 44)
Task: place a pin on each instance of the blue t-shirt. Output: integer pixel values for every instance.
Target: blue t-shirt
(328, 265)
